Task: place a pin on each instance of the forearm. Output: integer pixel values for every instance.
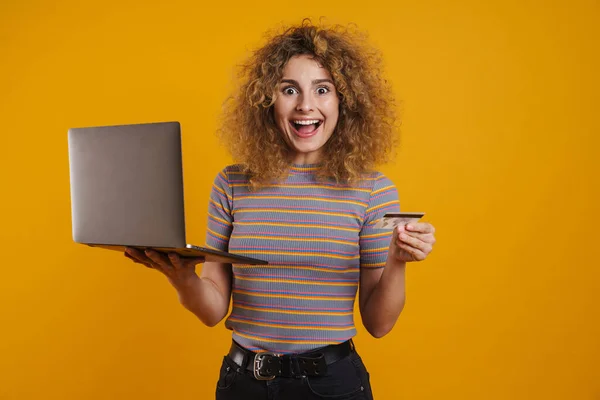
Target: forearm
(386, 301)
(202, 297)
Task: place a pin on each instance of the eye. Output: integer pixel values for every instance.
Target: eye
(289, 90)
(323, 90)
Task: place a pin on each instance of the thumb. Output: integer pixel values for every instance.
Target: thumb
(394, 240)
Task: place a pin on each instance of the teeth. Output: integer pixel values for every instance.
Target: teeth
(307, 122)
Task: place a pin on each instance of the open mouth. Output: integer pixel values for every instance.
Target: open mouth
(306, 128)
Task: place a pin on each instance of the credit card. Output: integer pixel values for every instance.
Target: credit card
(391, 220)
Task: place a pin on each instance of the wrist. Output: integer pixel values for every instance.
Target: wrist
(185, 284)
(393, 262)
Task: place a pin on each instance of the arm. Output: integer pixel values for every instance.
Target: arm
(208, 295)
(382, 296)
(382, 291)
(383, 258)
(381, 286)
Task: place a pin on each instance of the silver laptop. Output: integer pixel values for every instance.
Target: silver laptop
(127, 190)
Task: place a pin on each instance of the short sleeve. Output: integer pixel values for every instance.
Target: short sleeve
(220, 220)
(374, 243)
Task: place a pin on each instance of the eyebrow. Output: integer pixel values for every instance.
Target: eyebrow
(314, 82)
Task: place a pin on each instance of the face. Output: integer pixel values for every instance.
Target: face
(306, 108)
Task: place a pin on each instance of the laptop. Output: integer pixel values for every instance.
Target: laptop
(127, 190)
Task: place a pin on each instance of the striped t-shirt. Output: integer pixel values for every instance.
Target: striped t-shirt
(316, 235)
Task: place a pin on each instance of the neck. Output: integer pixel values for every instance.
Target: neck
(307, 158)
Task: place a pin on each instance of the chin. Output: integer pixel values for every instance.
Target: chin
(306, 149)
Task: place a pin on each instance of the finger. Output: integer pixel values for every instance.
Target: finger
(135, 260)
(414, 242)
(422, 227)
(138, 255)
(159, 259)
(424, 237)
(416, 254)
(192, 261)
(184, 262)
(399, 228)
(175, 260)
(135, 253)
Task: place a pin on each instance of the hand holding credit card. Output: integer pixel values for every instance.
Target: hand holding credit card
(391, 220)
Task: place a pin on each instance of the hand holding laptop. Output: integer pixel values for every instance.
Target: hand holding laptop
(179, 270)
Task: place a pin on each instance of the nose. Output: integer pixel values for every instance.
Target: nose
(305, 103)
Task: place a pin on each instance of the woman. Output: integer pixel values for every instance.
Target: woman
(310, 120)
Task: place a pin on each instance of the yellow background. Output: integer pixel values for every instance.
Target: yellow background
(499, 147)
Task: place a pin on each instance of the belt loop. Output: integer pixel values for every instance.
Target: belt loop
(244, 360)
(245, 356)
(295, 367)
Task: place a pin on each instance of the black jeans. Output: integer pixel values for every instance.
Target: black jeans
(346, 379)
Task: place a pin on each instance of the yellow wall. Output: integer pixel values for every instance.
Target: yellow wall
(500, 144)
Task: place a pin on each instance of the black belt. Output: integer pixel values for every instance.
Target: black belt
(267, 366)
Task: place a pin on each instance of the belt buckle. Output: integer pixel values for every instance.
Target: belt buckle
(258, 358)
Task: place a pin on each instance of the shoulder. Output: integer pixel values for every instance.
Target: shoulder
(383, 191)
(376, 181)
(233, 171)
(384, 195)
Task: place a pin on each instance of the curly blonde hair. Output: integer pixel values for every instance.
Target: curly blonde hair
(365, 134)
